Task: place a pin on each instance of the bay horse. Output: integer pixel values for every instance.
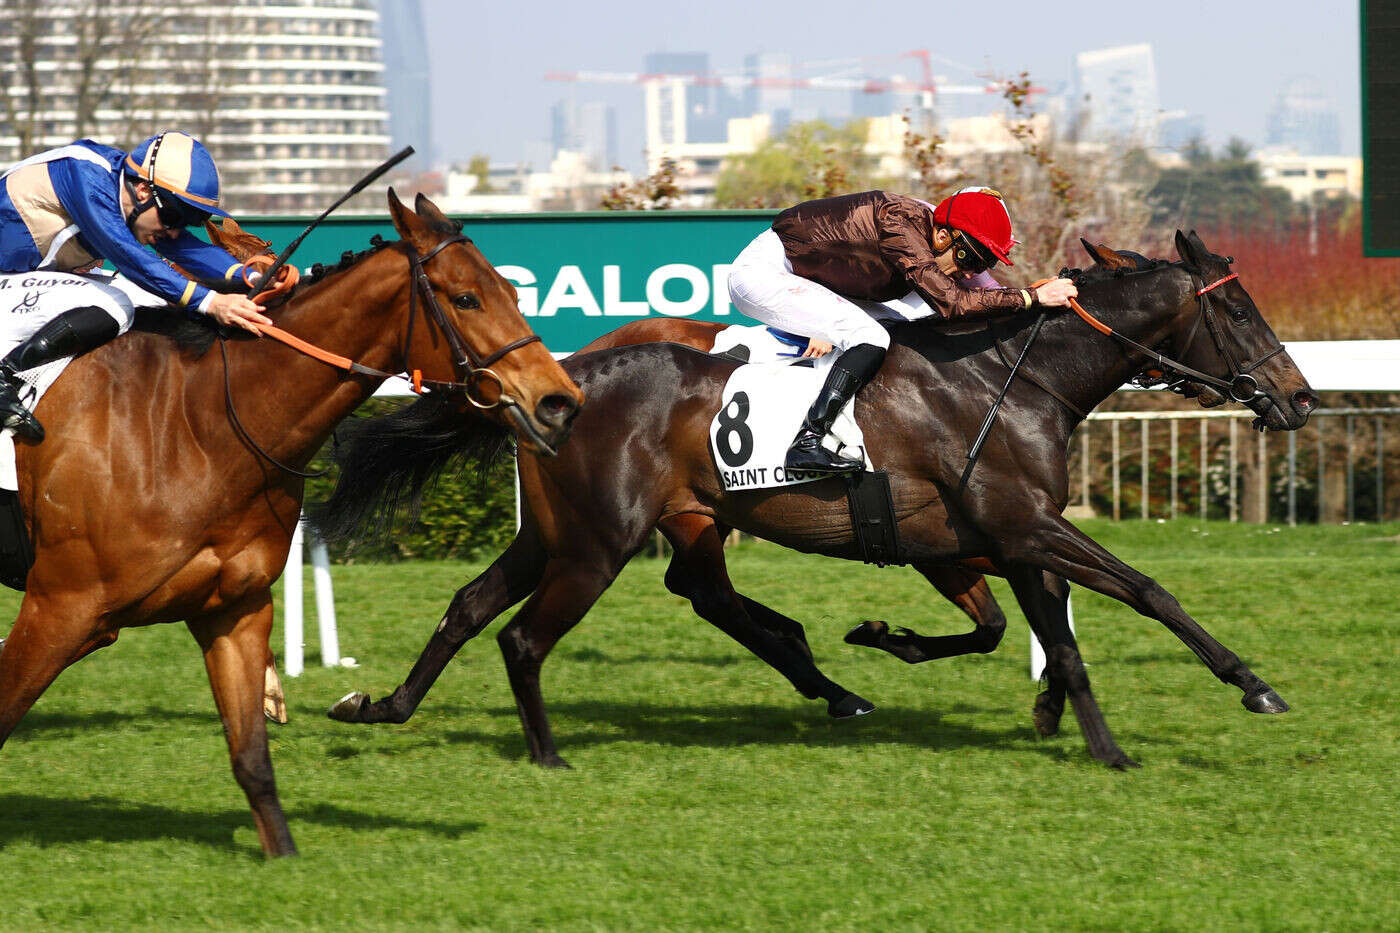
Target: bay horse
(170, 481)
(650, 407)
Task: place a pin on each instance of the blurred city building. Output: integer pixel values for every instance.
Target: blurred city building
(1115, 95)
(289, 95)
(1310, 177)
(1304, 120)
(589, 128)
(1178, 129)
(406, 77)
(570, 182)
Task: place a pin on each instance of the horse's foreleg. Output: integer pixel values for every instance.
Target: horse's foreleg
(236, 655)
(569, 589)
(698, 573)
(966, 589)
(43, 642)
(1057, 546)
(1044, 598)
(508, 580)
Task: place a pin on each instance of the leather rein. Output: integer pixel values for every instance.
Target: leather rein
(464, 358)
(1242, 386)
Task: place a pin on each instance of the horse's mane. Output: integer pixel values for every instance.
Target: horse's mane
(387, 463)
(198, 335)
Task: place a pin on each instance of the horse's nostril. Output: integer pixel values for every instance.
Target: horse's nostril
(1304, 401)
(557, 410)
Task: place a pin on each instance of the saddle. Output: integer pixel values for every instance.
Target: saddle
(16, 549)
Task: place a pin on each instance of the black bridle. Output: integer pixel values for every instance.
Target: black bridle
(1241, 386)
(465, 359)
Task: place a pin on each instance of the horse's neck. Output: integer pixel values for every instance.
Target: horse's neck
(1087, 366)
(353, 315)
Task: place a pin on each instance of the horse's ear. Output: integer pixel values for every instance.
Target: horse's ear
(1185, 249)
(406, 222)
(1108, 258)
(429, 211)
(1199, 245)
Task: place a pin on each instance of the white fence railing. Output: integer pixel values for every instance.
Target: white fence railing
(1362, 442)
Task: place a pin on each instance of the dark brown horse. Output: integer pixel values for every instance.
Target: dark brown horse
(146, 504)
(648, 418)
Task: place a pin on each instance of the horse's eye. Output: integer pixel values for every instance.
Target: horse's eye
(466, 302)
(1239, 314)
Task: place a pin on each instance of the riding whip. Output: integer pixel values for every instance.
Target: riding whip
(996, 406)
(359, 186)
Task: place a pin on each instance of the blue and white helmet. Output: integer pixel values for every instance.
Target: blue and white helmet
(179, 164)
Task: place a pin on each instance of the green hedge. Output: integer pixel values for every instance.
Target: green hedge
(460, 517)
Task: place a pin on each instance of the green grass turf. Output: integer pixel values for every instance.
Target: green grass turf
(708, 794)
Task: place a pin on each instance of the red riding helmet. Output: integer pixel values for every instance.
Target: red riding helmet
(982, 214)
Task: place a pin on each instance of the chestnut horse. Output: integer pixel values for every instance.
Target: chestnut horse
(150, 501)
(648, 418)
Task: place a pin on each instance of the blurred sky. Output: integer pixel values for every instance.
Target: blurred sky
(1225, 60)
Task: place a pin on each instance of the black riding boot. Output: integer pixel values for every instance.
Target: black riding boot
(69, 334)
(852, 369)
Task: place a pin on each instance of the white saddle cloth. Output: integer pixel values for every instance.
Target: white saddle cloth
(38, 379)
(763, 405)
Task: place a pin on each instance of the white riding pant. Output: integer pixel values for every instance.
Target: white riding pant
(29, 300)
(763, 286)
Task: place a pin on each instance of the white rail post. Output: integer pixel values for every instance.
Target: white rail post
(325, 603)
(1292, 478)
(294, 660)
(1204, 491)
(1113, 433)
(1146, 469)
(1234, 470)
(1038, 652)
(1175, 445)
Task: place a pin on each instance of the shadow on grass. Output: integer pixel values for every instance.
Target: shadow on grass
(738, 725)
(106, 720)
(48, 821)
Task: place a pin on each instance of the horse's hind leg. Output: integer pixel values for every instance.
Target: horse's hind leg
(569, 589)
(1044, 598)
(234, 641)
(968, 590)
(508, 580)
(698, 573)
(45, 640)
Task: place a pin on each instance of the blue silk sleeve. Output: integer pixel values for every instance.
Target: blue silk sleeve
(89, 194)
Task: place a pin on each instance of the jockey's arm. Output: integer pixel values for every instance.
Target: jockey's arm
(90, 197)
(202, 259)
(903, 243)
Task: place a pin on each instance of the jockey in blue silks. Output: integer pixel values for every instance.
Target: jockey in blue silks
(64, 211)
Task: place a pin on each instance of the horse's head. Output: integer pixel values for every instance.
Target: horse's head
(480, 337)
(1225, 335)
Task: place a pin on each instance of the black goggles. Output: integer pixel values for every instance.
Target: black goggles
(174, 213)
(970, 255)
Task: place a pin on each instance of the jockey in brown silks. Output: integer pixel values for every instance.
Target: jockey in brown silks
(801, 275)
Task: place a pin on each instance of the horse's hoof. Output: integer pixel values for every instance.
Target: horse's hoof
(554, 762)
(349, 707)
(848, 706)
(1264, 701)
(1047, 720)
(867, 634)
(1122, 763)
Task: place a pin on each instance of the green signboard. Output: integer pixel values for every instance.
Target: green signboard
(579, 275)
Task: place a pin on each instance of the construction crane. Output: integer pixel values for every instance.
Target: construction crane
(925, 84)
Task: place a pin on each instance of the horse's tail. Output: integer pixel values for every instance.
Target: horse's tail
(387, 463)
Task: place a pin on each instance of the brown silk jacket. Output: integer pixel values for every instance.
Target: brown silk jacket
(878, 246)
